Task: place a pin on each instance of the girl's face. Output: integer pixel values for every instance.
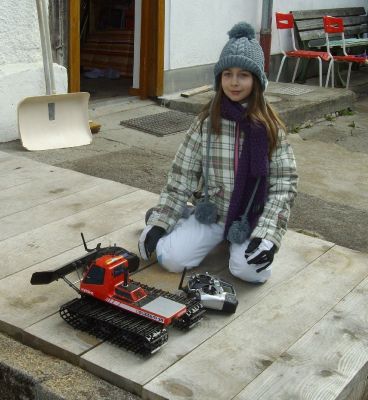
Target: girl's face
(237, 83)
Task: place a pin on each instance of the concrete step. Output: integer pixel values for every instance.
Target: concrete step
(295, 103)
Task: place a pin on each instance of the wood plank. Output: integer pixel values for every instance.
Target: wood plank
(311, 24)
(15, 171)
(338, 43)
(22, 176)
(192, 92)
(322, 364)
(246, 347)
(29, 248)
(43, 190)
(3, 154)
(108, 362)
(334, 12)
(349, 31)
(13, 164)
(61, 207)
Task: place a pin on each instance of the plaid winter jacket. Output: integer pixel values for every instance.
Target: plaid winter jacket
(188, 169)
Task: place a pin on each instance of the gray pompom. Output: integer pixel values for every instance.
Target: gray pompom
(206, 212)
(238, 232)
(242, 29)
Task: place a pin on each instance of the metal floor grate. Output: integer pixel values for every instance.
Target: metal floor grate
(161, 124)
(293, 90)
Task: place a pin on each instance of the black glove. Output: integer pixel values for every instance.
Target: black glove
(148, 240)
(260, 252)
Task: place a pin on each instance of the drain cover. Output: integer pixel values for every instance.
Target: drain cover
(293, 90)
(161, 124)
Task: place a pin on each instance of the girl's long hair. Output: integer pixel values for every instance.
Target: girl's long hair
(258, 110)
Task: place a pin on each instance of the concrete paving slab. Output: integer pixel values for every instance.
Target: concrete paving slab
(165, 145)
(53, 157)
(101, 145)
(144, 177)
(313, 101)
(325, 182)
(102, 107)
(246, 347)
(108, 363)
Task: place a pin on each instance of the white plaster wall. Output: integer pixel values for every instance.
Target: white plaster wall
(18, 81)
(196, 30)
(21, 71)
(19, 34)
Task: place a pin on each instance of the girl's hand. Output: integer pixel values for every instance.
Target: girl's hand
(148, 240)
(260, 252)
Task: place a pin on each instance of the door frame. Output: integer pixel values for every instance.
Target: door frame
(151, 71)
(74, 46)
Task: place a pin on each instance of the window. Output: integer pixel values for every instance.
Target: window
(95, 276)
(118, 270)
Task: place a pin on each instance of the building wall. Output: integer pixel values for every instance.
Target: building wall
(19, 35)
(196, 31)
(21, 71)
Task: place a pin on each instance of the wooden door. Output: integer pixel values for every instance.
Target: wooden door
(152, 48)
(151, 54)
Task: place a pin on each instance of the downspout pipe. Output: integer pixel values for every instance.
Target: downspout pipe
(266, 30)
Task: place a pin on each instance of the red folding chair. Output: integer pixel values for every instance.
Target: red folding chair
(336, 25)
(286, 21)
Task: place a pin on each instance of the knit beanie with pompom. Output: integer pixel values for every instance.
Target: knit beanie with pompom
(242, 51)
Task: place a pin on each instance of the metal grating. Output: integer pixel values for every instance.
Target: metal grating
(161, 124)
(293, 90)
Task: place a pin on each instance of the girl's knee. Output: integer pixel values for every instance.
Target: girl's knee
(170, 259)
(245, 272)
(239, 267)
(171, 264)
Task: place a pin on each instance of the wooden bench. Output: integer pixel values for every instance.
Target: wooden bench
(310, 34)
(309, 26)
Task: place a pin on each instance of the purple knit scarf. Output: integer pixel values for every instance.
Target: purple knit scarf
(253, 163)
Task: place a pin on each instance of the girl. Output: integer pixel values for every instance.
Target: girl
(236, 151)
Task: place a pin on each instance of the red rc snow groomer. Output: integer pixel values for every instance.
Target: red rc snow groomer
(115, 308)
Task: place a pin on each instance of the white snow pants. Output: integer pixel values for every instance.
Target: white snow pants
(189, 243)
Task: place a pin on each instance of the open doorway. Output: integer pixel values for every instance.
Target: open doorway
(106, 47)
